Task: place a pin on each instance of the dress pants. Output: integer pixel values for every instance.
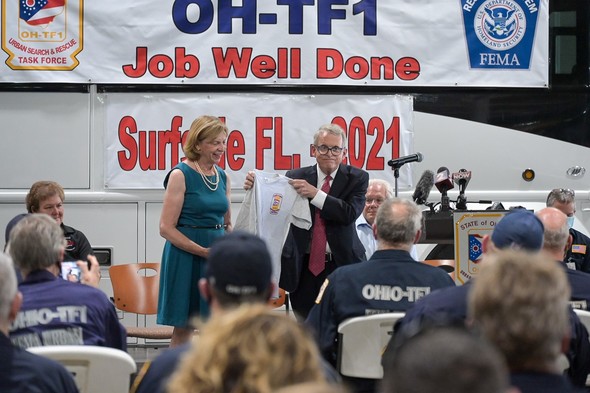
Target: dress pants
(303, 298)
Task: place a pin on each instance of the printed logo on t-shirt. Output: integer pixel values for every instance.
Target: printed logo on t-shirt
(275, 206)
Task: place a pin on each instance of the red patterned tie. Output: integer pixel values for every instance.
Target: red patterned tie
(317, 253)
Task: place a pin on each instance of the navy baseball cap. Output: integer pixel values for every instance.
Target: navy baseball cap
(519, 229)
(239, 264)
(11, 224)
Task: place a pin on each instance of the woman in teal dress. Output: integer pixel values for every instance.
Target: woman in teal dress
(195, 212)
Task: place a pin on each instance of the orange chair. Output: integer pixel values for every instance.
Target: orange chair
(448, 265)
(135, 290)
(283, 299)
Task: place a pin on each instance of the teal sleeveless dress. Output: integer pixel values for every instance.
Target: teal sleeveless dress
(202, 209)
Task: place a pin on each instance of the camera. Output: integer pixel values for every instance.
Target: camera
(70, 271)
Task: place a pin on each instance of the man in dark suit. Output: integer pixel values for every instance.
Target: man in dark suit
(337, 197)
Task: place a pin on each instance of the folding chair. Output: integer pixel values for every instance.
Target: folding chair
(361, 343)
(135, 290)
(95, 369)
(282, 300)
(448, 265)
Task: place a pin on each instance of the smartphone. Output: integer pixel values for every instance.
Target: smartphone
(70, 271)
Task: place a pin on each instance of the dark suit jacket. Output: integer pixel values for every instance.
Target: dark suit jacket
(345, 202)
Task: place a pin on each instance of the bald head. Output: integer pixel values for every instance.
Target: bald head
(556, 231)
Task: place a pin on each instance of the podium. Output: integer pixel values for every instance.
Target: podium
(463, 231)
(438, 227)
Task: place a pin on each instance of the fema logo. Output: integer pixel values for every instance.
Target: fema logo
(499, 24)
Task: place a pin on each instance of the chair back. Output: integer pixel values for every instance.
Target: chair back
(448, 265)
(361, 343)
(584, 317)
(279, 301)
(135, 290)
(95, 369)
(135, 287)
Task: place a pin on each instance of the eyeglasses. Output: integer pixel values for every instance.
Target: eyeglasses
(323, 149)
(566, 191)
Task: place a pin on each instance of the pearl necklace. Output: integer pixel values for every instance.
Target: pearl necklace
(211, 184)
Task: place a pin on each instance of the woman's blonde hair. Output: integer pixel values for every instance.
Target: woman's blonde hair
(251, 349)
(203, 128)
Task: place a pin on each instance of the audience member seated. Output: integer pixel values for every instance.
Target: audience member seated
(48, 197)
(239, 271)
(519, 301)
(390, 281)
(378, 191)
(56, 311)
(250, 349)
(578, 252)
(518, 229)
(11, 224)
(22, 371)
(445, 360)
(556, 244)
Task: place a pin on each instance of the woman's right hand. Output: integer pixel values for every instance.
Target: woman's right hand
(203, 252)
(249, 182)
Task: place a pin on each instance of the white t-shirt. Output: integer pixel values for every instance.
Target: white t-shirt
(267, 211)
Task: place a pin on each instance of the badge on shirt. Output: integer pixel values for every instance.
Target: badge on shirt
(579, 248)
(578, 304)
(321, 293)
(571, 265)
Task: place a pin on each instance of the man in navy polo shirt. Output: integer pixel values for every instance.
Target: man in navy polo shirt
(22, 371)
(56, 311)
(391, 280)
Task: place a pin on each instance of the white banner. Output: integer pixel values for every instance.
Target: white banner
(269, 132)
(500, 43)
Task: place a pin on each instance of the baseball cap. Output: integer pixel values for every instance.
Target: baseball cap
(11, 224)
(520, 229)
(239, 263)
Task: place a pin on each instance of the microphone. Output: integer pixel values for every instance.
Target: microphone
(444, 183)
(423, 187)
(398, 162)
(443, 180)
(462, 179)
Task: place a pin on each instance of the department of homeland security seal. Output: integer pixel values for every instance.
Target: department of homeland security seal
(500, 33)
(499, 24)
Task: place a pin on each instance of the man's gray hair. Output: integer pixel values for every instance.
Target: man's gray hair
(556, 239)
(398, 221)
(561, 195)
(333, 129)
(36, 243)
(8, 286)
(385, 184)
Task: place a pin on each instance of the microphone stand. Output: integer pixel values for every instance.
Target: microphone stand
(445, 204)
(395, 169)
(461, 202)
